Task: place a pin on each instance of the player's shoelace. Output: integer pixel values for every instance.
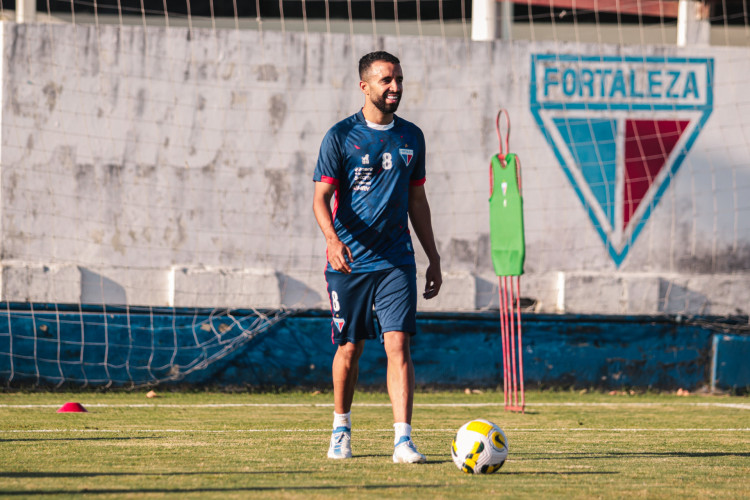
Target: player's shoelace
(340, 440)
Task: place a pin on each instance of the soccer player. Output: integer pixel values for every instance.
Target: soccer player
(374, 164)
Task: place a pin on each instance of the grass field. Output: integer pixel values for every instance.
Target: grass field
(216, 445)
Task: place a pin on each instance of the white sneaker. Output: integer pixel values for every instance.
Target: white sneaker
(406, 453)
(341, 443)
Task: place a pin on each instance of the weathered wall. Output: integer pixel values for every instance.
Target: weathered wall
(171, 167)
(450, 349)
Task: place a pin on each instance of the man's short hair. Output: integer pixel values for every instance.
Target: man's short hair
(366, 61)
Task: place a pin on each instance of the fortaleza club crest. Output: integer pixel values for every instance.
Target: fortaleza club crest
(339, 322)
(407, 155)
(620, 127)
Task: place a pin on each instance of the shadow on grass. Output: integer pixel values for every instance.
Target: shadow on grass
(627, 454)
(40, 475)
(429, 461)
(21, 440)
(123, 491)
(556, 473)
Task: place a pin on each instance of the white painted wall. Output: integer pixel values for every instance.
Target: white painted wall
(166, 167)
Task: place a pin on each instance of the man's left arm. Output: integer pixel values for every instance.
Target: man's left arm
(421, 221)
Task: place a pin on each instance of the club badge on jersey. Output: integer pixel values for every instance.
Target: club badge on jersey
(407, 155)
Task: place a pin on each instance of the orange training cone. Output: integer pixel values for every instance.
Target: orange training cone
(72, 408)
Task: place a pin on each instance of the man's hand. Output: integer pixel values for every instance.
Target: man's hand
(434, 281)
(339, 255)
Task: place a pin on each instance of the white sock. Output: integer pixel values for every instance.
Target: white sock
(402, 429)
(342, 420)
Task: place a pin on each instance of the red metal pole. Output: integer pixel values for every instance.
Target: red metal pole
(504, 330)
(509, 345)
(520, 346)
(512, 343)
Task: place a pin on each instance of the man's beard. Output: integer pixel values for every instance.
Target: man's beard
(387, 107)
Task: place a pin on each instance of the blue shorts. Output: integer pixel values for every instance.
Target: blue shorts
(391, 294)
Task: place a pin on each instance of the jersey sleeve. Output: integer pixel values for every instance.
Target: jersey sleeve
(418, 174)
(330, 160)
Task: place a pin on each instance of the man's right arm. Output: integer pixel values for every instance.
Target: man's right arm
(337, 252)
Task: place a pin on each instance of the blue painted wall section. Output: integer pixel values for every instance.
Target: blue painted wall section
(731, 362)
(52, 343)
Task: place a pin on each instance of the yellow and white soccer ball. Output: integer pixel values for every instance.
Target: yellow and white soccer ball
(480, 447)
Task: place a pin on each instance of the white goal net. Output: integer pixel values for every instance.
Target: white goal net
(156, 164)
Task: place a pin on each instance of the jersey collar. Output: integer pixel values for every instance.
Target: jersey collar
(361, 119)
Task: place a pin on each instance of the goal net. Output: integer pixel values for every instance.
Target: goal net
(157, 163)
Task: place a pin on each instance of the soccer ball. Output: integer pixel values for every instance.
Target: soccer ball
(480, 447)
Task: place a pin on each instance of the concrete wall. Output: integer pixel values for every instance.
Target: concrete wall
(170, 167)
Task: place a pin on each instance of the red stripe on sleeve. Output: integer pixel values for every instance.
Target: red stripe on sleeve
(329, 180)
(418, 182)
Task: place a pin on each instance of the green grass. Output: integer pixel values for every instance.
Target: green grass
(566, 445)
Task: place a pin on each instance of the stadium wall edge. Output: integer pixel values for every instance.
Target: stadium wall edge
(125, 346)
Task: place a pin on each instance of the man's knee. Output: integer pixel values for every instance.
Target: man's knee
(351, 351)
(396, 344)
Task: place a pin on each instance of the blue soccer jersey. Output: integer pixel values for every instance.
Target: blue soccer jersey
(372, 171)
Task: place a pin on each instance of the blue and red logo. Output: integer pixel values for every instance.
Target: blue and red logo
(406, 154)
(620, 127)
